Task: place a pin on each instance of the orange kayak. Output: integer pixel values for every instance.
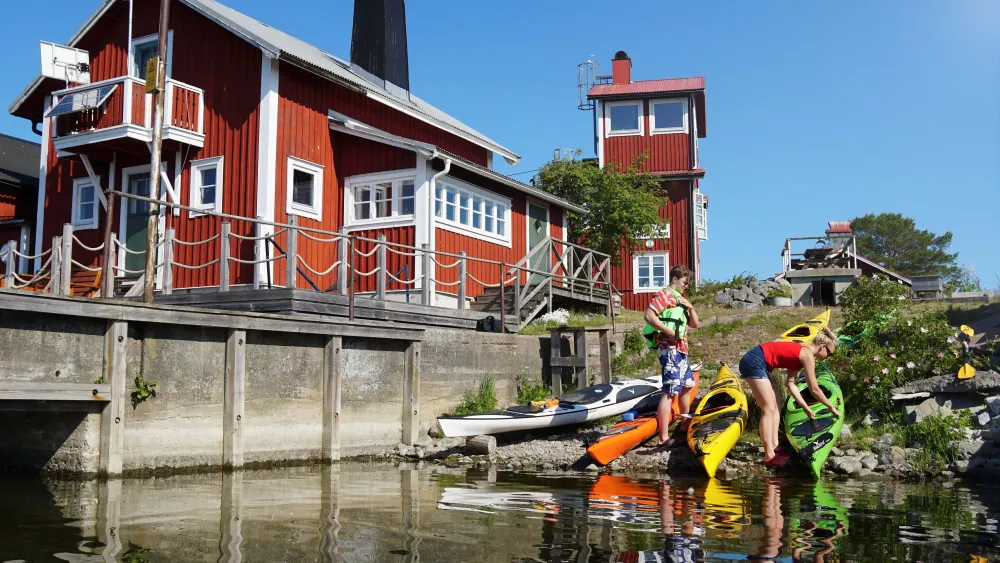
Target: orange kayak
(628, 434)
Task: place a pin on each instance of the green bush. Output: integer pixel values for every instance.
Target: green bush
(484, 400)
(528, 391)
(634, 343)
(871, 304)
(783, 291)
(934, 436)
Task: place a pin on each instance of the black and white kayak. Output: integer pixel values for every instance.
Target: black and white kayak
(589, 403)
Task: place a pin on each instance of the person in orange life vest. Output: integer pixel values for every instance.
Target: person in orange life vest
(671, 314)
(756, 366)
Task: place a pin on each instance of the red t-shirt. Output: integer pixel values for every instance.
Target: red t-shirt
(782, 355)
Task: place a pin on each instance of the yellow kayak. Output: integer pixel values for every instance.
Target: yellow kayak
(718, 420)
(806, 331)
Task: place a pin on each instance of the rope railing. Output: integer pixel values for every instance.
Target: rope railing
(87, 268)
(274, 258)
(97, 248)
(404, 282)
(191, 267)
(262, 237)
(318, 239)
(199, 242)
(365, 254)
(315, 272)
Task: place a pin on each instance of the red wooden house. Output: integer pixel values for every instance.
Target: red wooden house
(662, 119)
(18, 196)
(261, 124)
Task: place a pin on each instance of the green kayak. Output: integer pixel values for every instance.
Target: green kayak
(814, 440)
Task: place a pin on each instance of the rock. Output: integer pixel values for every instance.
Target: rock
(869, 420)
(869, 461)
(845, 431)
(967, 450)
(947, 474)
(548, 466)
(837, 452)
(846, 465)
(993, 404)
(757, 299)
(985, 382)
(723, 298)
(884, 443)
(929, 407)
(784, 282)
(864, 472)
(405, 451)
(983, 419)
(960, 466)
(435, 432)
(852, 452)
(418, 452)
(592, 467)
(892, 457)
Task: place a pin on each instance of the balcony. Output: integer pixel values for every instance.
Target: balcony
(118, 115)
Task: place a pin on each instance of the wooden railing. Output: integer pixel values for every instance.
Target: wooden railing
(184, 107)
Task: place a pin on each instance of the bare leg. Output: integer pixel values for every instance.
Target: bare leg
(775, 438)
(684, 402)
(663, 412)
(774, 522)
(763, 393)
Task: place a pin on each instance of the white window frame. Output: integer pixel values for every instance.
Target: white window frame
(635, 271)
(397, 219)
(654, 130)
(700, 215)
(314, 211)
(625, 132)
(149, 39)
(78, 224)
(442, 221)
(194, 199)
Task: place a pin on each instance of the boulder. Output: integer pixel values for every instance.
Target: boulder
(783, 282)
(983, 419)
(845, 431)
(883, 444)
(892, 457)
(993, 404)
(968, 450)
(723, 298)
(836, 452)
(917, 413)
(869, 462)
(985, 382)
(846, 465)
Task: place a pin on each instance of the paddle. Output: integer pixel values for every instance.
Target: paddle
(965, 335)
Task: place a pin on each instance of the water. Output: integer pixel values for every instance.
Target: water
(365, 512)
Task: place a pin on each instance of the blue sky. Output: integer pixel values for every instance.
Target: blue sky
(817, 111)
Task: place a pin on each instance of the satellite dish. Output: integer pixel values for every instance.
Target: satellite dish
(65, 63)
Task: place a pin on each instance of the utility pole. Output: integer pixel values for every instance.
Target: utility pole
(154, 171)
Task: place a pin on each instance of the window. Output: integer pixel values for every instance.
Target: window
(146, 48)
(206, 185)
(84, 204)
(305, 189)
(668, 116)
(625, 118)
(701, 215)
(386, 197)
(650, 272)
(468, 210)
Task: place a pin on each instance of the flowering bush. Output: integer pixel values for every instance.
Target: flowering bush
(889, 349)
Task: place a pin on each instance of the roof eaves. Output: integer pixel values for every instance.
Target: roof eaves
(643, 94)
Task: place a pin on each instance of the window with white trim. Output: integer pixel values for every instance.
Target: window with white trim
(206, 184)
(650, 271)
(380, 198)
(701, 215)
(146, 48)
(624, 118)
(459, 205)
(84, 204)
(668, 116)
(304, 195)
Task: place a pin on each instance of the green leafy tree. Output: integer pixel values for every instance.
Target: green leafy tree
(622, 203)
(894, 241)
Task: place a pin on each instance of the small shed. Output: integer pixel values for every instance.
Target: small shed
(928, 286)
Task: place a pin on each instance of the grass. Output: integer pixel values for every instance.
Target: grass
(483, 400)
(528, 391)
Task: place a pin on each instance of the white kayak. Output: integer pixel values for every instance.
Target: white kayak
(590, 403)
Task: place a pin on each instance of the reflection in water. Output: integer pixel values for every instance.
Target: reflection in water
(368, 512)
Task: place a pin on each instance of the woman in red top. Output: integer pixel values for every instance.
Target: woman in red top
(756, 367)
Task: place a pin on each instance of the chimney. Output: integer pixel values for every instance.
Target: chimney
(378, 43)
(621, 68)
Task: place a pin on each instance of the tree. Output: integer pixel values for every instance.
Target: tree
(895, 241)
(622, 203)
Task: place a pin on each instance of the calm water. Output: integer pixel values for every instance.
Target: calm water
(363, 512)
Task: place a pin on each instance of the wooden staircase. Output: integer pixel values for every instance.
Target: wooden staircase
(489, 302)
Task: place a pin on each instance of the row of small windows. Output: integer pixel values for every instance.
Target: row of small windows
(471, 210)
(665, 116)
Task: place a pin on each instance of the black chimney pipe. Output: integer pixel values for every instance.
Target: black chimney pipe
(378, 42)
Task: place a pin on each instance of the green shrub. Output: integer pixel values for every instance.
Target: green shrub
(528, 391)
(934, 436)
(871, 304)
(783, 291)
(484, 400)
(635, 342)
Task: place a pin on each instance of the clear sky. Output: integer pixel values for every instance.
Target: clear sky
(817, 111)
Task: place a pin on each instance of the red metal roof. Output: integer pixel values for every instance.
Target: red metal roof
(648, 87)
(699, 172)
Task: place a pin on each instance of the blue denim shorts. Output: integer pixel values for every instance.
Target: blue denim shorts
(677, 372)
(753, 365)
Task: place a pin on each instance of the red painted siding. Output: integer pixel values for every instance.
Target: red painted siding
(17, 203)
(230, 78)
(666, 153)
(677, 211)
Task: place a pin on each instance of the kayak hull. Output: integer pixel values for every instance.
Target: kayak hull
(815, 440)
(718, 420)
(591, 403)
(627, 434)
(806, 331)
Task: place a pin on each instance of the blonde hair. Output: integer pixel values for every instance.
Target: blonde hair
(825, 337)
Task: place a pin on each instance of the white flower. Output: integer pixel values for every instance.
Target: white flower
(923, 330)
(902, 298)
(910, 365)
(899, 369)
(909, 323)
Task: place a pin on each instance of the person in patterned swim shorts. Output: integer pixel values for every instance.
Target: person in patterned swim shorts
(669, 315)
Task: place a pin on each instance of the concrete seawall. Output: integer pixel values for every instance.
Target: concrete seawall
(282, 401)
